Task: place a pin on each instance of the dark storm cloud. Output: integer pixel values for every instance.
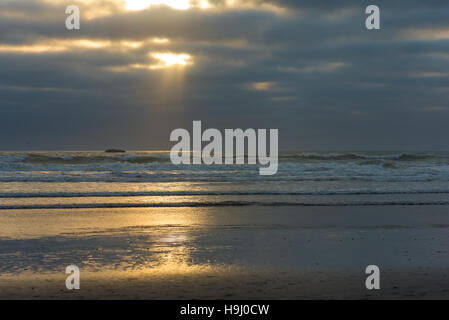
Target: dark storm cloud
(308, 68)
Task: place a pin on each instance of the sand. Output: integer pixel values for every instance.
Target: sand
(226, 253)
(233, 285)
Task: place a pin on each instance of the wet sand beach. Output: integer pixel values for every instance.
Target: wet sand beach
(253, 252)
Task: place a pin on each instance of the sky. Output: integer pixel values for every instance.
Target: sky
(138, 69)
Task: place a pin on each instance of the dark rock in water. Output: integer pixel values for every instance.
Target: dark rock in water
(115, 151)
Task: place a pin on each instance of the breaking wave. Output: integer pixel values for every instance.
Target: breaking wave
(357, 157)
(86, 158)
(72, 160)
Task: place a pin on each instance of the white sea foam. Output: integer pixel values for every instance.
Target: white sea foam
(300, 174)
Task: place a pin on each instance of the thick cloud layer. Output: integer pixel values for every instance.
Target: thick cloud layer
(308, 68)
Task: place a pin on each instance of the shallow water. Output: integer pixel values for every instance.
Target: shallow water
(281, 238)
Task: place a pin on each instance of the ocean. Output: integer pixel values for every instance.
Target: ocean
(222, 230)
(95, 179)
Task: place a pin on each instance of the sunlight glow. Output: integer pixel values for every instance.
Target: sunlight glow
(160, 40)
(30, 49)
(53, 46)
(171, 59)
(430, 34)
(143, 4)
(132, 44)
(263, 86)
